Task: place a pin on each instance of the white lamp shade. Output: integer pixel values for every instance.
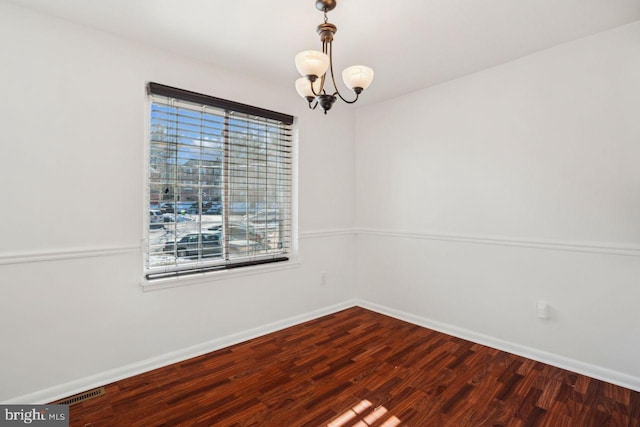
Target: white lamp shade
(312, 63)
(303, 86)
(357, 76)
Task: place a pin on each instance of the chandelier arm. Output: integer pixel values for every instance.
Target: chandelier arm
(337, 92)
(322, 79)
(324, 76)
(314, 105)
(321, 91)
(348, 102)
(313, 91)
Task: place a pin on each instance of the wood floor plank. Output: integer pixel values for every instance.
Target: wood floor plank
(359, 368)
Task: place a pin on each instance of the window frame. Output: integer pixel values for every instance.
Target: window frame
(187, 273)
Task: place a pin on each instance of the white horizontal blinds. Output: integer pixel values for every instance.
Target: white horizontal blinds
(221, 180)
(259, 181)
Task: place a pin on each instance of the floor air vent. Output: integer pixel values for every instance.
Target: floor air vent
(81, 397)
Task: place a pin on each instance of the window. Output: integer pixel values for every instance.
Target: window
(219, 184)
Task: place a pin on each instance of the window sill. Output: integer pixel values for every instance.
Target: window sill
(173, 282)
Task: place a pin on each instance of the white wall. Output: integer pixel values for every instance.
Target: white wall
(474, 199)
(71, 163)
(477, 197)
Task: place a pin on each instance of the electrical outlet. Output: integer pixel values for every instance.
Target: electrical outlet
(542, 310)
(323, 278)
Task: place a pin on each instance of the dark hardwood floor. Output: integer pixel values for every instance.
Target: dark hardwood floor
(359, 368)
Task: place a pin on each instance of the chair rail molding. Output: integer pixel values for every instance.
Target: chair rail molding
(333, 232)
(64, 254)
(77, 253)
(567, 246)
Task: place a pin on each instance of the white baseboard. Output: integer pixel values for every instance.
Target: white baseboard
(593, 371)
(98, 380)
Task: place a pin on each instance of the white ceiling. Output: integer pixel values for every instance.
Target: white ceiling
(410, 44)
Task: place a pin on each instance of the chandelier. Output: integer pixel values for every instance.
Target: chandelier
(313, 66)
